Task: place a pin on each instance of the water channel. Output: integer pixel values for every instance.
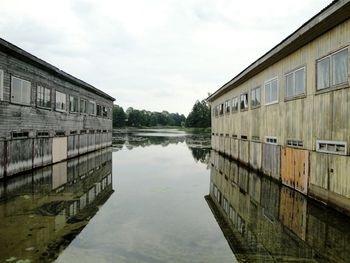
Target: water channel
(162, 196)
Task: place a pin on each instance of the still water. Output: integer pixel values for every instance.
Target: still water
(162, 196)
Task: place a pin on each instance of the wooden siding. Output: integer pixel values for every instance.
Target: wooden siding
(42, 152)
(271, 160)
(227, 148)
(235, 148)
(59, 149)
(73, 145)
(295, 168)
(244, 151)
(255, 155)
(20, 156)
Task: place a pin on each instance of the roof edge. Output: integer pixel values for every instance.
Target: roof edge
(332, 15)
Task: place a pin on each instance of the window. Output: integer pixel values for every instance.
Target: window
(334, 147)
(99, 110)
(295, 83)
(43, 97)
(227, 106)
(1, 84)
(42, 134)
(105, 112)
(61, 101)
(244, 101)
(20, 91)
(332, 70)
(271, 140)
(83, 106)
(60, 133)
(255, 138)
(271, 91)
(20, 135)
(92, 108)
(221, 109)
(235, 104)
(73, 104)
(295, 143)
(255, 97)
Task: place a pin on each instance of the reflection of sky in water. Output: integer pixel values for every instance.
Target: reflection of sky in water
(157, 214)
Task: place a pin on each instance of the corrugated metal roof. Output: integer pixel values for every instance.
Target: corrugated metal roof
(329, 17)
(23, 55)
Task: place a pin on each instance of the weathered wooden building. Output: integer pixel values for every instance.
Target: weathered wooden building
(287, 114)
(46, 115)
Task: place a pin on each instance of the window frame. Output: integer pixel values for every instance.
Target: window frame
(98, 110)
(58, 109)
(237, 105)
(251, 97)
(77, 99)
(30, 93)
(286, 97)
(80, 105)
(221, 109)
(326, 142)
(269, 81)
(94, 103)
(240, 101)
(37, 99)
(330, 76)
(227, 108)
(267, 138)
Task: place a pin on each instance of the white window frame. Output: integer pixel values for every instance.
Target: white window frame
(294, 85)
(60, 110)
(1, 84)
(30, 93)
(340, 143)
(270, 81)
(330, 56)
(272, 138)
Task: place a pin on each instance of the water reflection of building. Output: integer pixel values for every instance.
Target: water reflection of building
(263, 221)
(42, 212)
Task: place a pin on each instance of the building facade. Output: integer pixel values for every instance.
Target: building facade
(46, 115)
(287, 114)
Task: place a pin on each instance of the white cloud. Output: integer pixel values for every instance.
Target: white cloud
(154, 54)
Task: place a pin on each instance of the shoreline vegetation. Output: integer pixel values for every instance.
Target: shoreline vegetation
(179, 128)
(198, 120)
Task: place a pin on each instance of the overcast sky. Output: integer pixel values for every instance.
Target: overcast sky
(153, 54)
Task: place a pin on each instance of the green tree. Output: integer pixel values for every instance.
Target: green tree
(200, 116)
(119, 117)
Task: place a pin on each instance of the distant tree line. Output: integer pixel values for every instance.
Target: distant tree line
(199, 117)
